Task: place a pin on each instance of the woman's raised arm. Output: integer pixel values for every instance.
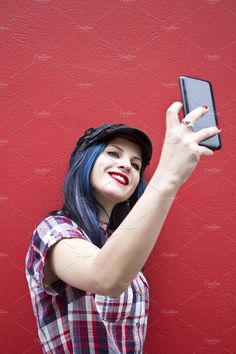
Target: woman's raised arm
(127, 250)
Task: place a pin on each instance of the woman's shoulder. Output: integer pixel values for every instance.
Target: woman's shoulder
(56, 223)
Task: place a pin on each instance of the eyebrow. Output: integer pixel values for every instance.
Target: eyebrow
(135, 157)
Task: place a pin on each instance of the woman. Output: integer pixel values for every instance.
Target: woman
(84, 262)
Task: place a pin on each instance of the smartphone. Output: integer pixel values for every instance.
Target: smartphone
(197, 92)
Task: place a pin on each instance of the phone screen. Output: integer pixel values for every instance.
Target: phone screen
(197, 92)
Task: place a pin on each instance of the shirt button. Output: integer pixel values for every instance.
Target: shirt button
(52, 233)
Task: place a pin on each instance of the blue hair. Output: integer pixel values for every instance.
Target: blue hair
(79, 203)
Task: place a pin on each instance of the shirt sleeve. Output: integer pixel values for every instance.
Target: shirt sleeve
(47, 234)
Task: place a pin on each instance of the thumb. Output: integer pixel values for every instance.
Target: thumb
(172, 118)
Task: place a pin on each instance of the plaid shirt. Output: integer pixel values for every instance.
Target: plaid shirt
(71, 320)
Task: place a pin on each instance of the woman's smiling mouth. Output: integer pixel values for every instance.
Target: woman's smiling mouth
(119, 177)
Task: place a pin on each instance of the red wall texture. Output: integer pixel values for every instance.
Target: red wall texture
(70, 65)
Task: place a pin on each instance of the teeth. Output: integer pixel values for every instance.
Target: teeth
(119, 177)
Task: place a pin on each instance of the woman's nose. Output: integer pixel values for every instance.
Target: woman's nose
(126, 166)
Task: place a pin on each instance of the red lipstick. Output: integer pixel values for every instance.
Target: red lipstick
(125, 182)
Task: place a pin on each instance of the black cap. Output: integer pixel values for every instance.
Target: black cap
(106, 131)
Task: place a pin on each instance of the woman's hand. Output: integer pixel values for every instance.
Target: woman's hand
(181, 151)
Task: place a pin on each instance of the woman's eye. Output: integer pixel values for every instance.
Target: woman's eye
(136, 166)
(112, 152)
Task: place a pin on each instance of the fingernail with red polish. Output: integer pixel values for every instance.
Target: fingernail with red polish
(219, 128)
(206, 107)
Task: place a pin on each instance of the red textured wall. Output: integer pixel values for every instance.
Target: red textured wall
(69, 65)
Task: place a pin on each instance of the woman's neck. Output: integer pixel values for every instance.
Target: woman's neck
(103, 224)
